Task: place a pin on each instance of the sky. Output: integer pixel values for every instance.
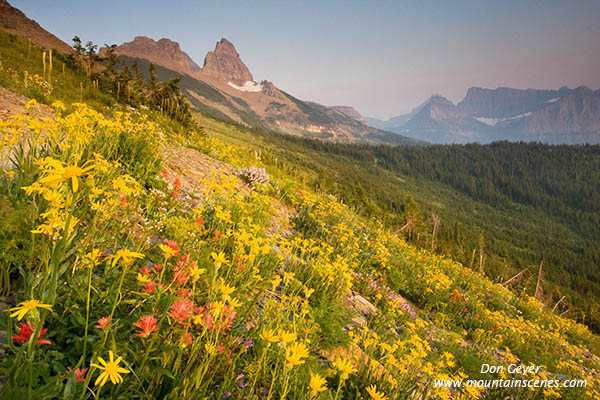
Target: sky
(382, 57)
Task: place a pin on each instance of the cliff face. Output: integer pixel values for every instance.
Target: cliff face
(224, 63)
(16, 22)
(574, 118)
(506, 102)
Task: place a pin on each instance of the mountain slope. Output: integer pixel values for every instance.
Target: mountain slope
(206, 274)
(16, 22)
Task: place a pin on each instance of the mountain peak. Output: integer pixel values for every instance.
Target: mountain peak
(163, 52)
(224, 44)
(224, 63)
(439, 99)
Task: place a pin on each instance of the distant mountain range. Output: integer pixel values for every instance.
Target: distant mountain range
(224, 88)
(570, 116)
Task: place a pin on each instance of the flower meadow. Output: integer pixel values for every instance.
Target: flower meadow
(124, 279)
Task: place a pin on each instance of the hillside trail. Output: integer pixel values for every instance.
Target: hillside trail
(12, 103)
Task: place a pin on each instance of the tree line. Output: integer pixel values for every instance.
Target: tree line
(127, 84)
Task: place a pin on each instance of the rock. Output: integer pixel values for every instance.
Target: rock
(363, 308)
(225, 63)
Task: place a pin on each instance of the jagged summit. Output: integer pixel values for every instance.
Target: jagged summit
(164, 52)
(224, 63)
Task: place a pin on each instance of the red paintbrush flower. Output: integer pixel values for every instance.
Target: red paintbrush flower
(24, 333)
(147, 325)
(145, 270)
(177, 184)
(103, 322)
(79, 374)
(181, 310)
(149, 287)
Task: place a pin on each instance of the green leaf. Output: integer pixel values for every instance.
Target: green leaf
(164, 371)
(70, 388)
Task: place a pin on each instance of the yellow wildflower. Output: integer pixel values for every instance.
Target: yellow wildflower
(308, 292)
(276, 281)
(58, 172)
(126, 255)
(31, 103)
(344, 366)
(58, 105)
(317, 383)
(225, 289)
(286, 337)
(24, 307)
(168, 251)
(375, 395)
(210, 349)
(110, 370)
(233, 302)
(219, 258)
(269, 336)
(196, 271)
(295, 354)
(93, 257)
(143, 278)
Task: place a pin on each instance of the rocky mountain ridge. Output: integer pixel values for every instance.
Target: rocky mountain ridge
(569, 116)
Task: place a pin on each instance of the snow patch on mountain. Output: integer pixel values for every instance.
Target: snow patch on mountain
(249, 86)
(495, 121)
(553, 100)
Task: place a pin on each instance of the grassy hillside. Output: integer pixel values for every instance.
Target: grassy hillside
(141, 261)
(22, 66)
(522, 212)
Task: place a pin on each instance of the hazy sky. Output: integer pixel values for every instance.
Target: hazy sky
(382, 57)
